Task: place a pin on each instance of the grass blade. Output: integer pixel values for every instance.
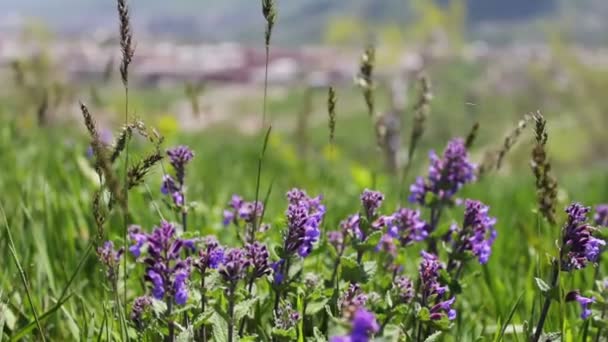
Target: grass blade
(503, 329)
(21, 273)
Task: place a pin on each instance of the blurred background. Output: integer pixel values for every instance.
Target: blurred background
(199, 65)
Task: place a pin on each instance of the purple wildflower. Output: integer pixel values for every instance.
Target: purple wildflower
(140, 305)
(276, 267)
(478, 232)
(579, 246)
(179, 157)
(352, 299)
(135, 234)
(304, 216)
(210, 256)
(166, 270)
(286, 317)
(446, 175)
(258, 258)
(239, 210)
(443, 308)
(371, 201)
(350, 226)
(406, 225)
(584, 302)
(336, 239)
(601, 215)
(363, 327)
(110, 258)
(387, 244)
(235, 265)
(404, 289)
(429, 276)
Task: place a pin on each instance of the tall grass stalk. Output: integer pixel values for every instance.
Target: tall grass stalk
(127, 50)
(269, 12)
(22, 274)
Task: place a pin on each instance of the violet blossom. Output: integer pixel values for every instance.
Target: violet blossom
(478, 233)
(363, 327)
(235, 265)
(179, 157)
(601, 215)
(166, 270)
(578, 245)
(304, 216)
(447, 174)
(257, 254)
(584, 302)
(371, 201)
(210, 256)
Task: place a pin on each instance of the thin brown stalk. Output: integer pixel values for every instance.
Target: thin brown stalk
(493, 159)
(126, 40)
(472, 136)
(140, 169)
(127, 50)
(331, 110)
(102, 161)
(546, 184)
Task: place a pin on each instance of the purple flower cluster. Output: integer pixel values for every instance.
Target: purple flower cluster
(601, 215)
(210, 256)
(179, 157)
(446, 175)
(429, 275)
(140, 305)
(584, 302)
(304, 216)
(432, 290)
(241, 210)
(110, 258)
(352, 299)
(235, 265)
(257, 254)
(286, 317)
(578, 245)
(166, 270)
(371, 201)
(478, 233)
(363, 327)
(407, 226)
(404, 288)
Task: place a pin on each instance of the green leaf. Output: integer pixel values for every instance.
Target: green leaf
(7, 317)
(319, 337)
(202, 318)
(316, 306)
(433, 337)
(424, 315)
(542, 285)
(372, 240)
(220, 328)
(369, 269)
(243, 308)
(185, 336)
(159, 307)
(284, 335)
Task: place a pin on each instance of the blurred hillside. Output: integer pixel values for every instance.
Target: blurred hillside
(240, 20)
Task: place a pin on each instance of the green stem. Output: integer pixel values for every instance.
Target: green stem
(231, 313)
(545, 310)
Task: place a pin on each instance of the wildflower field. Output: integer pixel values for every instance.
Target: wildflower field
(449, 226)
